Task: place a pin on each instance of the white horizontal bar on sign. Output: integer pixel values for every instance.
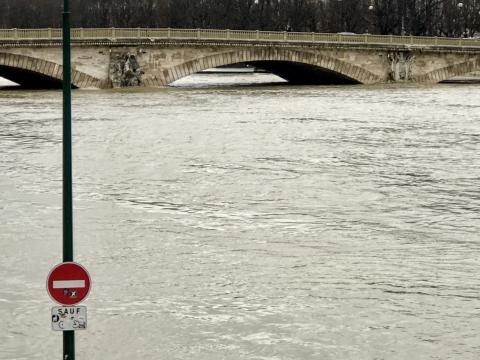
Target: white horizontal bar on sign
(69, 284)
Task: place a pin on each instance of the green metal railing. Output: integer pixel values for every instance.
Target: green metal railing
(234, 35)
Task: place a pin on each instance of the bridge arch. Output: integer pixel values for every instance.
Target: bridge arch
(451, 71)
(288, 64)
(37, 73)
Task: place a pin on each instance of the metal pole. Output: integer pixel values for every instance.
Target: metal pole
(68, 336)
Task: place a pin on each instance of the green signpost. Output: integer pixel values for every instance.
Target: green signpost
(68, 336)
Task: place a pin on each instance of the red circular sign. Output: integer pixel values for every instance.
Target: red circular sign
(68, 283)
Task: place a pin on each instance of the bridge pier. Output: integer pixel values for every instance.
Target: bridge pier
(125, 70)
(401, 63)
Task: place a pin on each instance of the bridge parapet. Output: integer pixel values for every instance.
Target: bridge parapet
(114, 34)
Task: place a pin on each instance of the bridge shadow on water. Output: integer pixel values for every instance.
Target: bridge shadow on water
(282, 73)
(255, 75)
(28, 80)
(304, 74)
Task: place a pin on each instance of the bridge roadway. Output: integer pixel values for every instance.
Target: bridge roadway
(105, 58)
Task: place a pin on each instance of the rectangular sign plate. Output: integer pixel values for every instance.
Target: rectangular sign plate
(69, 318)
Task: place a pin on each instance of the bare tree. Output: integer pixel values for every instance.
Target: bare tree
(409, 17)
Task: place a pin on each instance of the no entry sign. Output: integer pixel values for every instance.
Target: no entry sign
(68, 283)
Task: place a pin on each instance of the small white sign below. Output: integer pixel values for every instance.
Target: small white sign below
(69, 318)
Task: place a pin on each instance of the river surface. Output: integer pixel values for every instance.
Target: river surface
(248, 222)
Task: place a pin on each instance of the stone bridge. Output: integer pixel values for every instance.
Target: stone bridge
(106, 58)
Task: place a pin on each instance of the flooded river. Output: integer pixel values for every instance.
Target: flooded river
(248, 222)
